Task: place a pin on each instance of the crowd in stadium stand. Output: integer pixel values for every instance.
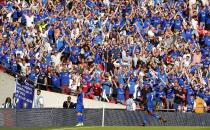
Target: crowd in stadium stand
(113, 48)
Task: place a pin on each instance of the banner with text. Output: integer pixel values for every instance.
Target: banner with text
(24, 94)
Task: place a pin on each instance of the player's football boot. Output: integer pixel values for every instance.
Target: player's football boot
(79, 124)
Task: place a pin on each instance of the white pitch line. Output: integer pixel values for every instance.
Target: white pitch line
(74, 128)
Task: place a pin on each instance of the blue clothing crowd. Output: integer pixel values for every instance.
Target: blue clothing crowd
(113, 48)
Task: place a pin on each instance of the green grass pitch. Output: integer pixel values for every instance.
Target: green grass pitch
(119, 128)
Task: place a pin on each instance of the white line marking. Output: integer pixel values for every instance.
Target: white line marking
(74, 128)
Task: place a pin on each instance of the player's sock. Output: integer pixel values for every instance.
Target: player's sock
(145, 119)
(78, 119)
(82, 119)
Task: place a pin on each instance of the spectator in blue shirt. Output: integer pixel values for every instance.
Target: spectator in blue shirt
(206, 98)
(121, 94)
(106, 85)
(202, 16)
(140, 45)
(56, 82)
(132, 85)
(191, 104)
(65, 77)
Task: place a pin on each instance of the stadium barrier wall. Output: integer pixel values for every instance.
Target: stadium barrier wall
(41, 118)
(55, 100)
(7, 86)
(51, 99)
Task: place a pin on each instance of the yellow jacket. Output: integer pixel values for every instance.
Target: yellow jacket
(200, 105)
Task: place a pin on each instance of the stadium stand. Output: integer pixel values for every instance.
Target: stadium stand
(113, 48)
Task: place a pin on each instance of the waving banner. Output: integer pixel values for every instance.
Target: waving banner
(24, 94)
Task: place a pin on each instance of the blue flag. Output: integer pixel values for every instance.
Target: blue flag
(24, 94)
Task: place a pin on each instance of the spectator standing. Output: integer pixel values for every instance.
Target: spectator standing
(132, 85)
(191, 104)
(106, 85)
(130, 104)
(56, 82)
(170, 97)
(68, 104)
(8, 103)
(128, 39)
(200, 106)
(121, 94)
(161, 98)
(65, 77)
(206, 97)
(39, 101)
(179, 97)
(42, 81)
(97, 91)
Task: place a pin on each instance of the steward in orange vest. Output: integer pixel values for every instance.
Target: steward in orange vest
(200, 106)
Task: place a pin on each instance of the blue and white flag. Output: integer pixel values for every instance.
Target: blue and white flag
(24, 94)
